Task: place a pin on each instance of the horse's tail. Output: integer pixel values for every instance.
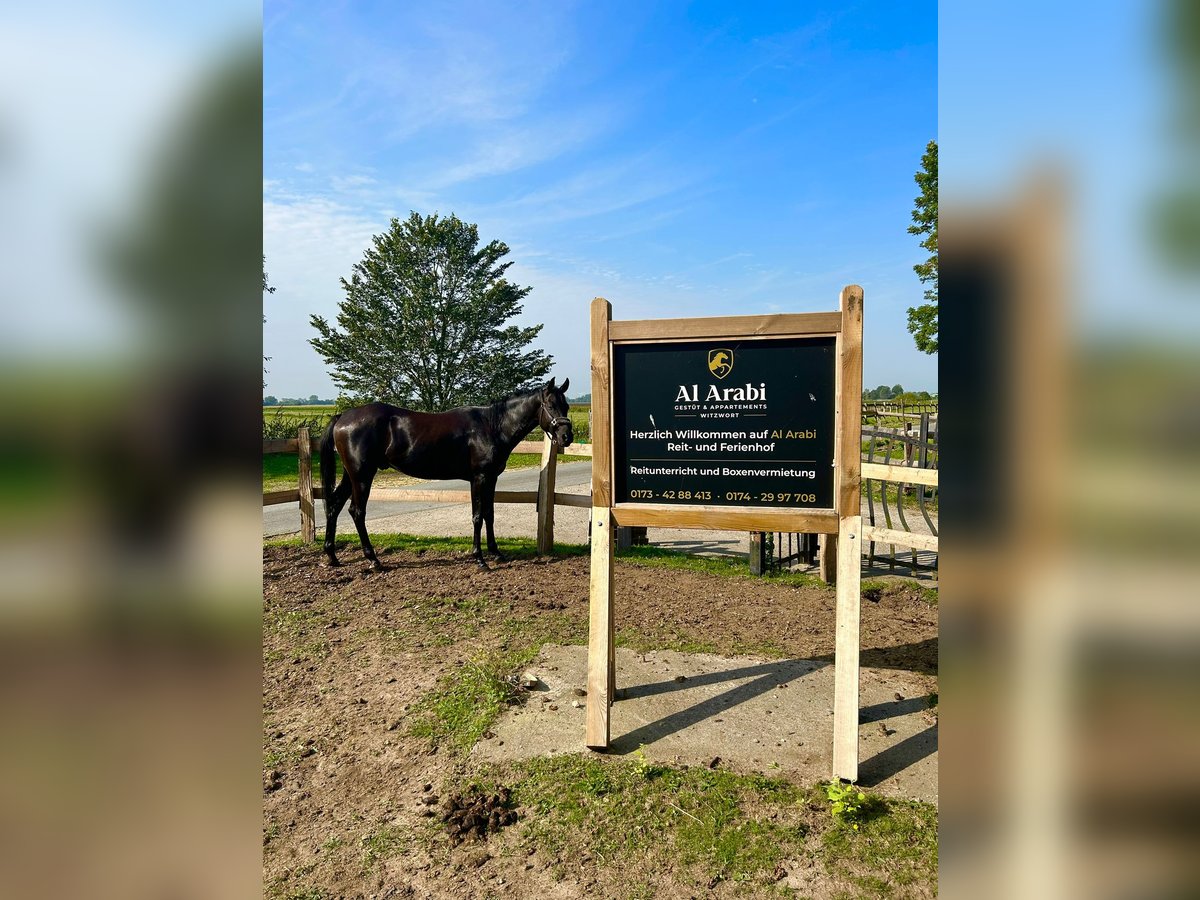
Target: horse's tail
(328, 461)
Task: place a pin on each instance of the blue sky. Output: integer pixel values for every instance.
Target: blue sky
(679, 159)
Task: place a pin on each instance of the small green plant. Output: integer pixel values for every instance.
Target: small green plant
(642, 767)
(847, 802)
(388, 840)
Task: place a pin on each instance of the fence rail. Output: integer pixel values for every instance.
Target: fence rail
(915, 477)
(306, 492)
(907, 469)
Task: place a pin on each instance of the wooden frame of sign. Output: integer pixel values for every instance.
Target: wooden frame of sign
(827, 501)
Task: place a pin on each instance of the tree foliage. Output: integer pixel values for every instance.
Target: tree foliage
(897, 393)
(423, 322)
(1177, 209)
(923, 319)
(267, 289)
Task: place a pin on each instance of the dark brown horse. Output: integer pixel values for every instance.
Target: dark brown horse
(472, 443)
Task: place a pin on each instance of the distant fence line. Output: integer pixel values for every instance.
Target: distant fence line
(899, 409)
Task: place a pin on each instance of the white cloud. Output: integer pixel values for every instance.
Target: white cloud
(309, 243)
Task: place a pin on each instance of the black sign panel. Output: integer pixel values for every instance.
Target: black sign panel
(725, 423)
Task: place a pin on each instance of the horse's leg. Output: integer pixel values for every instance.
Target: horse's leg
(477, 519)
(489, 518)
(333, 508)
(360, 487)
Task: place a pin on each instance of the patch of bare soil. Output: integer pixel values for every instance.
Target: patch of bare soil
(348, 652)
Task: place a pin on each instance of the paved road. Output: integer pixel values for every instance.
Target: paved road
(572, 478)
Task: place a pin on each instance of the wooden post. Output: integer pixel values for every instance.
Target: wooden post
(601, 405)
(849, 565)
(601, 686)
(758, 556)
(827, 561)
(624, 538)
(308, 524)
(546, 477)
(600, 629)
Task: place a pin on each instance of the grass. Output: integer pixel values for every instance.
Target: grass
(299, 631)
(460, 710)
(385, 841)
(881, 491)
(468, 701)
(728, 566)
(710, 825)
(514, 548)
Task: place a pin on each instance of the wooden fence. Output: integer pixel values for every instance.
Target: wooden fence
(306, 492)
(914, 475)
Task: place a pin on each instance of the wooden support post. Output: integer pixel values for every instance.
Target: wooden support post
(758, 556)
(308, 522)
(601, 405)
(600, 681)
(601, 652)
(545, 512)
(827, 561)
(849, 565)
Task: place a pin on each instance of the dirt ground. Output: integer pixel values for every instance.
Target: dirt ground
(349, 654)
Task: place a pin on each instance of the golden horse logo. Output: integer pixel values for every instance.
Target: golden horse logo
(720, 362)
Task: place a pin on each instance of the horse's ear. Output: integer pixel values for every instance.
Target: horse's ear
(566, 384)
(549, 386)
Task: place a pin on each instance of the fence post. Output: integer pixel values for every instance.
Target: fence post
(546, 478)
(308, 525)
(622, 537)
(827, 558)
(758, 556)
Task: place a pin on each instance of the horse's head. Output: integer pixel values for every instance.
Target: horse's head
(552, 415)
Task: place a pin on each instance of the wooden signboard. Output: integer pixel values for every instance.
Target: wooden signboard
(742, 423)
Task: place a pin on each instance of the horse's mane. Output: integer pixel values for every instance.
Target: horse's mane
(519, 394)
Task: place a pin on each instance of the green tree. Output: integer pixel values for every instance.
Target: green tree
(423, 323)
(1177, 209)
(923, 319)
(270, 400)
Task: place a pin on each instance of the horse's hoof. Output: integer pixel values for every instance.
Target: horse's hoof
(483, 565)
(498, 556)
(376, 566)
(330, 562)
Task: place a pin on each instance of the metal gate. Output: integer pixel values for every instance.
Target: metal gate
(899, 505)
